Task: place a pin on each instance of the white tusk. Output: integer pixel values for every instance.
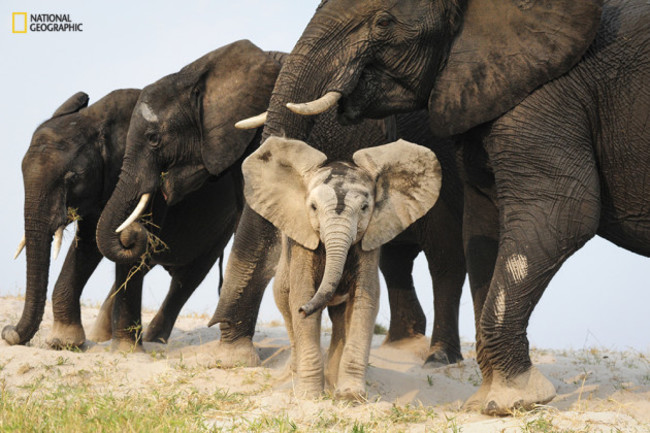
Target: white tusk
(58, 238)
(19, 250)
(136, 213)
(318, 106)
(252, 122)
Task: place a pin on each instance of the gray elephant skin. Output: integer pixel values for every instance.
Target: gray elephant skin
(74, 161)
(552, 101)
(334, 217)
(182, 140)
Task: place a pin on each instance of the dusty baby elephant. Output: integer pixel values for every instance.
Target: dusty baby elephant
(334, 217)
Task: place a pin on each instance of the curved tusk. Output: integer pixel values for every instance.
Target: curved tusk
(58, 239)
(136, 213)
(252, 122)
(20, 248)
(318, 106)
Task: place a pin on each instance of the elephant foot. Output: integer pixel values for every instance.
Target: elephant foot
(10, 335)
(66, 336)
(477, 401)
(239, 353)
(351, 390)
(127, 346)
(157, 332)
(524, 391)
(309, 390)
(102, 329)
(440, 356)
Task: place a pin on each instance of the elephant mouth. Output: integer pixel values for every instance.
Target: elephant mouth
(178, 183)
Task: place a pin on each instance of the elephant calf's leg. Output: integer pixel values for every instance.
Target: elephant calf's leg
(361, 313)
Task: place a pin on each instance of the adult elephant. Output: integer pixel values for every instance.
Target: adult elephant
(567, 98)
(70, 170)
(182, 140)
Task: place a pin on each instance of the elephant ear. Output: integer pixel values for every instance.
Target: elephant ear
(506, 49)
(74, 103)
(237, 85)
(275, 186)
(408, 179)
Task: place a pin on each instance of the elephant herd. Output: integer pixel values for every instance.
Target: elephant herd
(532, 124)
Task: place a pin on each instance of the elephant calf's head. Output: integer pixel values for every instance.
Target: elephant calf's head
(339, 204)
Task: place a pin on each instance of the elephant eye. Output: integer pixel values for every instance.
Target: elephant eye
(313, 206)
(153, 138)
(384, 22)
(364, 207)
(70, 177)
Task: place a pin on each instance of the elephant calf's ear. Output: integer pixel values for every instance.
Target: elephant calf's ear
(408, 179)
(275, 178)
(74, 103)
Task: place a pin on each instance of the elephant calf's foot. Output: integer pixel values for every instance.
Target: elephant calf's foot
(66, 336)
(351, 390)
(309, 390)
(440, 356)
(239, 353)
(520, 392)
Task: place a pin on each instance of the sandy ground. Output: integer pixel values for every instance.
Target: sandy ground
(598, 390)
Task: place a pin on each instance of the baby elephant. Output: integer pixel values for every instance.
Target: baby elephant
(334, 217)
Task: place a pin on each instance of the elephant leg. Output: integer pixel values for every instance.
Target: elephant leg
(80, 262)
(407, 319)
(337, 342)
(447, 269)
(281, 296)
(127, 309)
(361, 313)
(306, 330)
(185, 280)
(251, 265)
(103, 328)
(481, 241)
(548, 193)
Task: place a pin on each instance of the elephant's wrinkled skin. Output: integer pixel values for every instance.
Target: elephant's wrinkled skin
(564, 156)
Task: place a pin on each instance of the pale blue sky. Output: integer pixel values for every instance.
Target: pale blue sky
(600, 297)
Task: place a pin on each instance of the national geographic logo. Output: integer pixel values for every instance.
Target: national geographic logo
(40, 23)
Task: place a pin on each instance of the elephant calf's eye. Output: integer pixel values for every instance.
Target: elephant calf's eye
(364, 207)
(313, 206)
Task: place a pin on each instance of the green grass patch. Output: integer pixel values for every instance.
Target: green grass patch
(76, 409)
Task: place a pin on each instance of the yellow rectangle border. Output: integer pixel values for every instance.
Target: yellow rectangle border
(13, 22)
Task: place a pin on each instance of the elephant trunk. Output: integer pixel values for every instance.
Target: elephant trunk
(130, 243)
(38, 241)
(297, 83)
(337, 238)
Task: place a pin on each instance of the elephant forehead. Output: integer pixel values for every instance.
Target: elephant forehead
(341, 191)
(341, 173)
(145, 110)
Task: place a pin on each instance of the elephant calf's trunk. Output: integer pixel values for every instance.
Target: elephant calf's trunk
(335, 257)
